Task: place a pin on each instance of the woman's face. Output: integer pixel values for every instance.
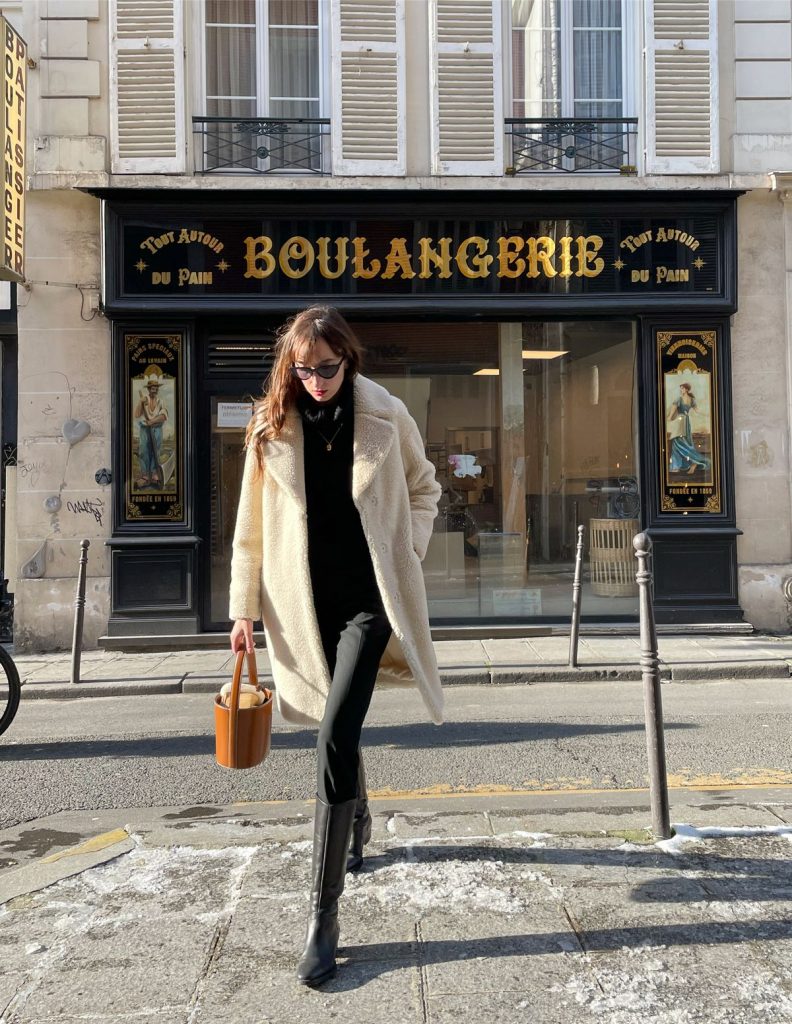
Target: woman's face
(318, 387)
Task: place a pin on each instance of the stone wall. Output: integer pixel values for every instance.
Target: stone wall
(64, 425)
(760, 386)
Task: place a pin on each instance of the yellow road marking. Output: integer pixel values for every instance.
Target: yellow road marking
(99, 842)
(771, 779)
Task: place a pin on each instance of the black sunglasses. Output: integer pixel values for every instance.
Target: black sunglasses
(326, 372)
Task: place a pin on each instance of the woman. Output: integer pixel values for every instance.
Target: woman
(335, 515)
(685, 458)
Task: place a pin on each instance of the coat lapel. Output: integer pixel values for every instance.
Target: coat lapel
(284, 459)
(374, 434)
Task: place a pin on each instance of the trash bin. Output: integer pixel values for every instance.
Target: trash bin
(612, 557)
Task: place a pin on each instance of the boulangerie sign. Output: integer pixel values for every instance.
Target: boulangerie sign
(219, 259)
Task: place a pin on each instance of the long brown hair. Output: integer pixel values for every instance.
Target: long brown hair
(281, 389)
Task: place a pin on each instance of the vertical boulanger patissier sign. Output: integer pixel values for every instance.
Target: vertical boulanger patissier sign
(12, 250)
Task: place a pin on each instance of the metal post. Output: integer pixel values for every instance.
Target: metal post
(79, 612)
(653, 707)
(576, 585)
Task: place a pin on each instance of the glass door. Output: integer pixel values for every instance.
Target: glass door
(228, 417)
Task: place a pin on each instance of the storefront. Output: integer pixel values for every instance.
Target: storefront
(566, 360)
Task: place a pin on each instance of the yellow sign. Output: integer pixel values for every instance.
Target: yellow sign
(12, 251)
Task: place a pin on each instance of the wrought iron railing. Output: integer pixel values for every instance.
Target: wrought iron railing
(574, 144)
(262, 145)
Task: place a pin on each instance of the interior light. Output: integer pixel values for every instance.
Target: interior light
(486, 372)
(542, 353)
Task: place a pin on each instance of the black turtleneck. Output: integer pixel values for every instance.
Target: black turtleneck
(338, 553)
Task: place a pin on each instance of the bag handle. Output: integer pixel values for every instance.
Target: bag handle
(236, 686)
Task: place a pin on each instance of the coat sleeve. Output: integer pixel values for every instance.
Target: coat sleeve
(422, 482)
(247, 550)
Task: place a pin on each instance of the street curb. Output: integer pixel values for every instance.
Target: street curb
(88, 688)
(462, 675)
(213, 684)
(693, 671)
(564, 674)
(46, 871)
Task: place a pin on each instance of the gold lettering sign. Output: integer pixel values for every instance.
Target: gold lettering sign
(12, 260)
(473, 257)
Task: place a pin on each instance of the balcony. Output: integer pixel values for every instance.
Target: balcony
(262, 145)
(541, 145)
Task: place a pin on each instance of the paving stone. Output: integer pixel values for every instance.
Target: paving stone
(451, 653)
(271, 925)
(123, 965)
(506, 652)
(366, 992)
(421, 825)
(532, 1001)
(491, 952)
(171, 1014)
(653, 983)
(718, 815)
(136, 666)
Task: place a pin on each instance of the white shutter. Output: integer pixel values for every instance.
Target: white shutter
(467, 92)
(368, 52)
(147, 86)
(681, 87)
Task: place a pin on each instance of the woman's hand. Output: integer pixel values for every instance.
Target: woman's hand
(242, 636)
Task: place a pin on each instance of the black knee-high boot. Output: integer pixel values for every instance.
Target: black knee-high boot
(361, 828)
(332, 830)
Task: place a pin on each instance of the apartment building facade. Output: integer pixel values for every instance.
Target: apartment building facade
(560, 228)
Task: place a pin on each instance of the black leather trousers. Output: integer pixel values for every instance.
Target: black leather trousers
(354, 639)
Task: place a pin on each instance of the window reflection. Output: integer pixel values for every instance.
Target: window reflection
(531, 428)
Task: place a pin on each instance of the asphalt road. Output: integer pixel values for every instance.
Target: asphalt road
(152, 751)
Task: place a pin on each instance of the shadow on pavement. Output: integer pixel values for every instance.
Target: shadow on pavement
(369, 961)
(457, 734)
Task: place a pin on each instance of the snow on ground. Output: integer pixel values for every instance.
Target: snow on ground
(686, 834)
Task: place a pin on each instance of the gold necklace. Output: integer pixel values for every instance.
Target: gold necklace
(330, 442)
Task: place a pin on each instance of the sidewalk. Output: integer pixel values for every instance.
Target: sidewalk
(523, 908)
(534, 660)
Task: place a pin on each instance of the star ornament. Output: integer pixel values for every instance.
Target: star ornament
(618, 264)
(140, 266)
(222, 266)
(698, 263)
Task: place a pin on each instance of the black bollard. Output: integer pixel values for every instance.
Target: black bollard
(653, 705)
(79, 612)
(574, 631)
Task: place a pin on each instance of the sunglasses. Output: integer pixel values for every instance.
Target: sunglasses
(326, 372)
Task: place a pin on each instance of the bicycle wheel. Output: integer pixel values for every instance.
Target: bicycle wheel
(10, 690)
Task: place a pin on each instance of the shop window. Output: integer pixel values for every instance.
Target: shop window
(263, 72)
(531, 428)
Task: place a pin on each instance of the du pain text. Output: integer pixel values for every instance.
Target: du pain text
(475, 256)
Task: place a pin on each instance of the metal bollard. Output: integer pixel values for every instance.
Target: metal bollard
(574, 631)
(79, 612)
(653, 706)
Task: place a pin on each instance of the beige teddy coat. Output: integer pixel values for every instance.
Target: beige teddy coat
(396, 492)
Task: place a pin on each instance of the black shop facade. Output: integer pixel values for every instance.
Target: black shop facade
(566, 361)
